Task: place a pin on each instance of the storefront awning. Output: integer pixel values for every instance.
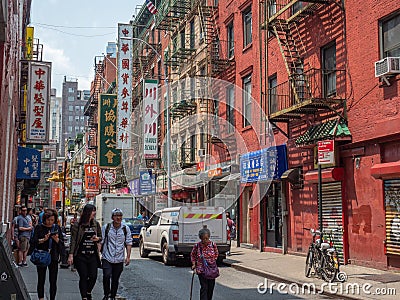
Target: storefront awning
(386, 170)
(292, 175)
(333, 129)
(328, 175)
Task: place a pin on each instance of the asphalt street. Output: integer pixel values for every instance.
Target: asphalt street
(150, 279)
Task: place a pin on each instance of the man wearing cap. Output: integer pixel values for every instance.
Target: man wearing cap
(117, 236)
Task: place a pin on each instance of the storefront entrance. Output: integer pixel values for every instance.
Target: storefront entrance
(273, 216)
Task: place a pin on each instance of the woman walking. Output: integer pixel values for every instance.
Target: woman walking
(44, 233)
(84, 250)
(203, 252)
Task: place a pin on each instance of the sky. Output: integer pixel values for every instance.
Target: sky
(73, 32)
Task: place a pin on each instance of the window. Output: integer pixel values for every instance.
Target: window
(69, 129)
(71, 90)
(390, 41)
(77, 118)
(192, 87)
(82, 128)
(231, 41)
(247, 36)
(82, 108)
(71, 98)
(70, 118)
(329, 70)
(216, 3)
(272, 8)
(296, 7)
(193, 148)
(247, 101)
(82, 118)
(192, 35)
(272, 94)
(77, 109)
(183, 89)
(70, 108)
(230, 107)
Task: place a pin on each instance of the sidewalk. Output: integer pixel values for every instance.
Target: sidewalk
(67, 287)
(290, 269)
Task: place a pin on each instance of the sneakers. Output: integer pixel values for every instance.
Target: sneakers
(23, 264)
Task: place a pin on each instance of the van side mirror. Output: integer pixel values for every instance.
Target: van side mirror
(147, 224)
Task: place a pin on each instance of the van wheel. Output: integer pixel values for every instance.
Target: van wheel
(143, 252)
(167, 257)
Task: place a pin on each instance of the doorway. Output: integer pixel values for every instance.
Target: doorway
(246, 215)
(273, 215)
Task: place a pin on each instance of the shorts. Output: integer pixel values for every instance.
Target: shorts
(23, 243)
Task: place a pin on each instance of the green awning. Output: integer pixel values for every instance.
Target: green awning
(333, 129)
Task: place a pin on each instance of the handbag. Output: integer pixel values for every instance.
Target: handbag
(41, 258)
(210, 270)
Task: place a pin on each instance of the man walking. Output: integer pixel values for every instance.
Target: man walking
(24, 234)
(117, 236)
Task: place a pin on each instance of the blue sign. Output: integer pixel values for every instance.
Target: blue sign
(263, 165)
(28, 163)
(134, 186)
(147, 183)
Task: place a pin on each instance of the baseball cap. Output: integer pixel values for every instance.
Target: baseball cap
(116, 211)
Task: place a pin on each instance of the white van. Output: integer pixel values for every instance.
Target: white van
(173, 231)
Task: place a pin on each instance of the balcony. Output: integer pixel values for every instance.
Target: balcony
(171, 13)
(306, 93)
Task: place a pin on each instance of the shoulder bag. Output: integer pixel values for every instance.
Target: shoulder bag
(210, 270)
(42, 258)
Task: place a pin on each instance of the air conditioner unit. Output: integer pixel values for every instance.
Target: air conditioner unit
(202, 152)
(387, 66)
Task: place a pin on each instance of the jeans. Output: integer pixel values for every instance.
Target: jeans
(87, 270)
(206, 287)
(111, 272)
(53, 271)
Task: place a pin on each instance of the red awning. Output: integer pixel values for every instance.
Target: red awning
(328, 175)
(386, 170)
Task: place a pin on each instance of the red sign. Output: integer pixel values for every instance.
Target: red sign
(55, 195)
(200, 166)
(92, 177)
(215, 172)
(326, 153)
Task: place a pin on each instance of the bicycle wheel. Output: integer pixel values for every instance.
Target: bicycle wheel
(309, 262)
(328, 269)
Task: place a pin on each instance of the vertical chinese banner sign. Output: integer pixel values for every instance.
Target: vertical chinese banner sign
(124, 80)
(92, 178)
(29, 43)
(38, 103)
(150, 120)
(108, 155)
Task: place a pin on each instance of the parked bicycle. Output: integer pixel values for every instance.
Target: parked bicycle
(322, 256)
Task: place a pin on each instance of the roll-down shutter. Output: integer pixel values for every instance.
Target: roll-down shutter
(392, 213)
(332, 212)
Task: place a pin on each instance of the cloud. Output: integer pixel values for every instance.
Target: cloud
(61, 62)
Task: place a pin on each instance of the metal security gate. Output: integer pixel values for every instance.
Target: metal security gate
(392, 215)
(332, 213)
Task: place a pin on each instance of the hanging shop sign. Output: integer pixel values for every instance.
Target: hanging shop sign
(92, 177)
(326, 152)
(108, 156)
(38, 102)
(262, 165)
(76, 186)
(108, 177)
(124, 81)
(147, 183)
(29, 163)
(29, 43)
(150, 122)
(134, 187)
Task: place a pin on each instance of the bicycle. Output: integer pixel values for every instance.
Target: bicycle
(322, 256)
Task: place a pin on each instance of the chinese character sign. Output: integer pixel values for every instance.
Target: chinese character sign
(108, 154)
(38, 103)
(150, 112)
(28, 163)
(124, 80)
(92, 177)
(29, 42)
(76, 186)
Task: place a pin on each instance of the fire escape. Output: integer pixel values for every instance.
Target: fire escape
(308, 90)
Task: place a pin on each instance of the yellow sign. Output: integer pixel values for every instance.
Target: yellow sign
(67, 202)
(29, 43)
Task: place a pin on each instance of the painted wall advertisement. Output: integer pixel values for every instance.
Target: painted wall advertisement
(108, 154)
(150, 111)
(124, 71)
(38, 102)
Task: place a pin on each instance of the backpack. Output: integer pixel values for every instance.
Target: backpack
(106, 235)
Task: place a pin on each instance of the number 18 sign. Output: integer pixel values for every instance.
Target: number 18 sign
(92, 177)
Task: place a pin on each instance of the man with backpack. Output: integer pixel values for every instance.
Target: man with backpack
(116, 237)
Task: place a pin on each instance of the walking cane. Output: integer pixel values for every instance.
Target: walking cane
(191, 286)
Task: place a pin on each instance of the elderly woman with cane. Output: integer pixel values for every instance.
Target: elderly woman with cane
(204, 263)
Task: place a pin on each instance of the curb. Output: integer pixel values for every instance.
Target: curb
(280, 279)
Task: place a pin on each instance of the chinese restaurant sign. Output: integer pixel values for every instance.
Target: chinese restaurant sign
(38, 103)
(124, 85)
(28, 163)
(109, 155)
(92, 178)
(150, 112)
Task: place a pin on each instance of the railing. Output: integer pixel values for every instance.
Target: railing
(315, 84)
(282, 8)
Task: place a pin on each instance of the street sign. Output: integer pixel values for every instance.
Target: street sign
(326, 153)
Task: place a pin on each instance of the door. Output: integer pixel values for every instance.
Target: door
(246, 216)
(274, 216)
(332, 213)
(392, 215)
(150, 240)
